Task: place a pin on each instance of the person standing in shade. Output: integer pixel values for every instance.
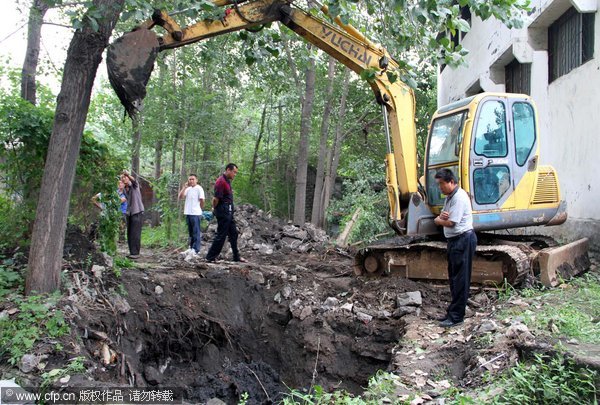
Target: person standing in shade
(457, 220)
(194, 203)
(222, 204)
(135, 213)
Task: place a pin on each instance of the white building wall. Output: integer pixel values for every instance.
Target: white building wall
(569, 107)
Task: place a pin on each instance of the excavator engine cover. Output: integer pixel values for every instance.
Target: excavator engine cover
(130, 60)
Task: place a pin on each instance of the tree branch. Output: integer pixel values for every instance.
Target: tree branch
(58, 25)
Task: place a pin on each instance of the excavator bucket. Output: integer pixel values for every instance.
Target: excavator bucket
(563, 262)
(130, 61)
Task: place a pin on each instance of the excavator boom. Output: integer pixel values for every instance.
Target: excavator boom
(130, 61)
(454, 143)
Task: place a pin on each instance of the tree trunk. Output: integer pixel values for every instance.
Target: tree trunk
(302, 162)
(136, 138)
(34, 33)
(83, 57)
(279, 135)
(257, 144)
(158, 148)
(336, 149)
(317, 198)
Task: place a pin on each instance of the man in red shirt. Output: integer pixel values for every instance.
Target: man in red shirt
(222, 204)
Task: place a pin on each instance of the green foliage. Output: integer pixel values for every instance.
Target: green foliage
(123, 262)
(363, 189)
(36, 319)
(571, 312)
(162, 237)
(25, 131)
(11, 279)
(546, 380)
(380, 390)
(75, 366)
(505, 291)
(166, 190)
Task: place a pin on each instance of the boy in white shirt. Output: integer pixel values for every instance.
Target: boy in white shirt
(194, 203)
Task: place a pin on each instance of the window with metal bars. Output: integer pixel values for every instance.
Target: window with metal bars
(570, 42)
(517, 77)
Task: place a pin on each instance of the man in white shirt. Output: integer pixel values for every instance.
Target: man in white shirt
(457, 220)
(194, 203)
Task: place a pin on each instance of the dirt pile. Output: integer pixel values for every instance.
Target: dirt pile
(265, 235)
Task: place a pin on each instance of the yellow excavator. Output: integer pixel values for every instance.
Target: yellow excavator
(490, 141)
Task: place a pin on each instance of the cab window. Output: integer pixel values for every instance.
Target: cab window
(445, 139)
(490, 138)
(524, 121)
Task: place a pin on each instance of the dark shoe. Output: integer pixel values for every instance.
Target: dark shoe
(134, 257)
(442, 318)
(448, 323)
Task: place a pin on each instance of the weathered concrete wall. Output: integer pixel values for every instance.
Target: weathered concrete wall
(569, 107)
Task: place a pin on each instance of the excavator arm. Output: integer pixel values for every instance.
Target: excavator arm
(131, 58)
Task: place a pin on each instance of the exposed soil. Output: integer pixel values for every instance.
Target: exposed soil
(293, 316)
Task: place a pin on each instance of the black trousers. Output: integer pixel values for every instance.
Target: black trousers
(461, 250)
(134, 233)
(226, 227)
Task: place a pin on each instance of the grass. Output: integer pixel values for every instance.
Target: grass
(548, 381)
(572, 312)
(158, 237)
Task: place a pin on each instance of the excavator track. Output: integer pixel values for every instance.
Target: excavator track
(498, 258)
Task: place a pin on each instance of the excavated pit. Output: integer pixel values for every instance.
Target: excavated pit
(217, 331)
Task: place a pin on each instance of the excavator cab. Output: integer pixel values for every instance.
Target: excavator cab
(490, 142)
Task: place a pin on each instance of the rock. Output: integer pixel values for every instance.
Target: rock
(286, 292)
(210, 358)
(316, 234)
(347, 306)
(487, 326)
(305, 313)
(277, 298)
(330, 303)
(265, 249)
(409, 299)
(120, 304)
(383, 314)
(97, 271)
(363, 317)
(108, 260)
(296, 308)
(481, 298)
(291, 242)
(65, 379)
(256, 276)
(158, 290)
(293, 278)
(303, 248)
(215, 401)
(295, 232)
(405, 310)
(518, 332)
(152, 375)
(29, 362)
(247, 234)
(300, 268)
